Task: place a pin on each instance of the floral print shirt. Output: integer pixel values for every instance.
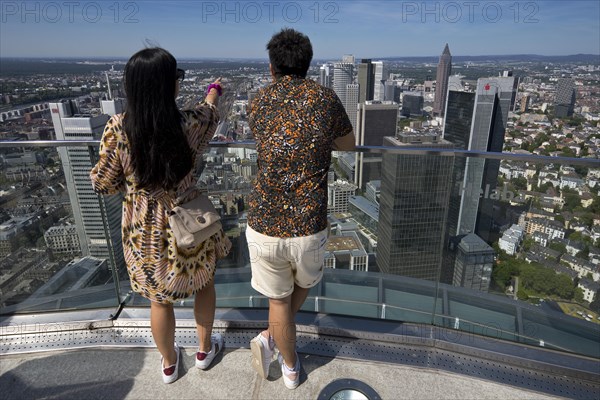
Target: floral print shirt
(294, 122)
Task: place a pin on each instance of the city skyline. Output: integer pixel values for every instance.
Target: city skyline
(241, 29)
(401, 221)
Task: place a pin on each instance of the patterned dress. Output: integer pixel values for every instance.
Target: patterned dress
(158, 269)
(294, 122)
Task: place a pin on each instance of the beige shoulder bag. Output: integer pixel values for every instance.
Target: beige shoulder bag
(195, 221)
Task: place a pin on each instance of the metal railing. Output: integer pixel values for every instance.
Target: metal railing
(585, 162)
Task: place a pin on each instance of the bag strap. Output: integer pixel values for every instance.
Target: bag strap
(188, 191)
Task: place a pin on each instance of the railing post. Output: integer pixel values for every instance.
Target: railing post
(520, 329)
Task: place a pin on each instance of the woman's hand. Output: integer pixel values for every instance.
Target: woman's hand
(213, 94)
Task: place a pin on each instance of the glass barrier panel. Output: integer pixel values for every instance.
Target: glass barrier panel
(59, 241)
(409, 299)
(556, 330)
(507, 249)
(522, 251)
(350, 293)
(477, 313)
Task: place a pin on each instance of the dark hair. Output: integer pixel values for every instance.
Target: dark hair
(290, 53)
(160, 153)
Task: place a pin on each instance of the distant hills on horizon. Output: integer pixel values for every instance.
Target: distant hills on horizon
(19, 66)
(508, 57)
(457, 58)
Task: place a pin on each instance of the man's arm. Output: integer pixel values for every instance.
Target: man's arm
(344, 143)
(341, 128)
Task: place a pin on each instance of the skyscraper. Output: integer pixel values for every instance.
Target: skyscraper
(564, 102)
(92, 213)
(342, 77)
(391, 91)
(351, 103)
(455, 82)
(474, 262)
(366, 77)
(338, 194)
(413, 208)
(474, 121)
(493, 100)
(348, 58)
(375, 120)
(444, 69)
(381, 76)
(412, 104)
(326, 75)
(457, 130)
(112, 107)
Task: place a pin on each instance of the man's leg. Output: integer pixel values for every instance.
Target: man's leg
(282, 320)
(298, 298)
(283, 328)
(309, 254)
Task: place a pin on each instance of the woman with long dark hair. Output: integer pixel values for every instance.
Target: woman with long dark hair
(149, 153)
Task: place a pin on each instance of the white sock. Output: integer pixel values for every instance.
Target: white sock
(270, 343)
(211, 349)
(290, 369)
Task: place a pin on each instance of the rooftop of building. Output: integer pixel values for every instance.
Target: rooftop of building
(366, 206)
(376, 184)
(473, 243)
(428, 139)
(342, 185)
(380, 104)
(589, 284)
(342, 243)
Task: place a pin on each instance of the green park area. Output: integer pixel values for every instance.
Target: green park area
(535, 280)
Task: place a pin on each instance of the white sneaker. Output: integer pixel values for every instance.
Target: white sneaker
(170, 373)
(203, 359)
(262, 355)
(291, 377)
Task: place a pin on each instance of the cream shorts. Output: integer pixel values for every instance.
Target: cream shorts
(279, 263)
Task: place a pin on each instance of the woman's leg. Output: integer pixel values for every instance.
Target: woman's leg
(204, 313)
(162, 323)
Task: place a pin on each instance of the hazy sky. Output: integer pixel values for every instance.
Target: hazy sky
(241, 29)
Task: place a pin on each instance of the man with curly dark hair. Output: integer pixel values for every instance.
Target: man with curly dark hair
(296, 124)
